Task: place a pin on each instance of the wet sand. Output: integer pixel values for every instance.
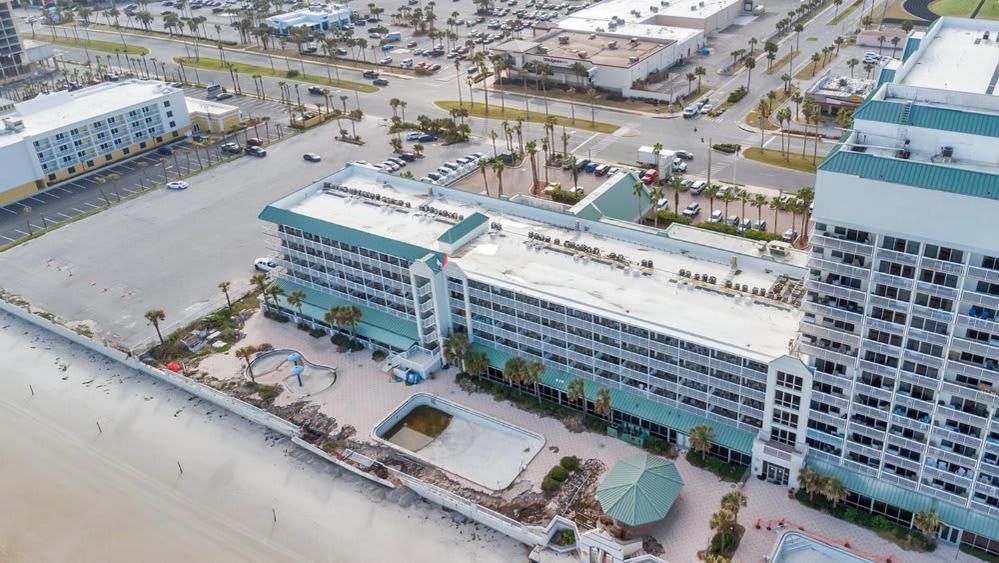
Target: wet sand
(72, 492)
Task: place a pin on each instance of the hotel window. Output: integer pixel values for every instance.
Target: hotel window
(944, 253)
(900, 245)
(789, 381)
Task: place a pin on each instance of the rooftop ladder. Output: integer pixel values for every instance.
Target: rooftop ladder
(906, 110)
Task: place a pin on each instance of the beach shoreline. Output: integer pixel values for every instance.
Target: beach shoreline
(101, 463)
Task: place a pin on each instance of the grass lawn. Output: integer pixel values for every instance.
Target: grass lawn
(778, 64)
(580, 96)
(844, 13)
(478, 109)
(775, 158)
(95, 44)
(753, 119)
(989, 11)
(215, 64)
(810, 70)
(959, 8)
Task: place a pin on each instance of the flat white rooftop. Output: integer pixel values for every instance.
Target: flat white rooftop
(48, 112)
(958, 59)
(654, 297)
(209, 107)
(629, 29)
(640, 11)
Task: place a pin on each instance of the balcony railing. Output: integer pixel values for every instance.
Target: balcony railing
(984, 274)
(820, 308)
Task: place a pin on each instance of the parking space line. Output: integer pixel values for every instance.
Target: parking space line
(33, 198)
(64, 215)
(8, 239)
(50, 194)
(91, 205)
(20, 231)
(78, 211)
(128, 191)
(11, 211)
(34, 226)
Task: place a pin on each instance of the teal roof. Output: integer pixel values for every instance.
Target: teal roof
(912, 173)
(911, 44)
(930, 117)
(636, 405)
(886, 75)
(334, 231)
(640, 489)
(618, 201)
(951, 514)
(375, 325)
(455, 233)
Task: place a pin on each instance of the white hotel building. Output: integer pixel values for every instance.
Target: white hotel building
(63, 134)
(874, 359)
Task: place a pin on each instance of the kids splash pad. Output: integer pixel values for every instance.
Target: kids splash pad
(290, 369)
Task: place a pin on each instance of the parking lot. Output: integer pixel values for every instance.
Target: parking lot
(107, 186)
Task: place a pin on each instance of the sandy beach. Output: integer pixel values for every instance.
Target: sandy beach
(74, 492)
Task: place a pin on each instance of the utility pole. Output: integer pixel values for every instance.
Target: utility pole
(709, 162)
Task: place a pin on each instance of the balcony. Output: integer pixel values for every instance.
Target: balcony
(833, 241)
(938, 492)
(941, 432)
(827, 354)
(891, 280)
(837, 421)
(921, 358)
(878, 369)
(926, 336)
(863, 430)
(871, 391)
(896, 439)
(878, 324)
(970, 297)
(903, 401)
(965, 321)
(832, 400)
(938, 290)
(835, 441)
(953, 413)
(899, 461)
(843, 268)
(983, 274)
(835, 290)
(830, 333)
(930, 313)
(943, 266)
(975, 347)
(890, 304)
(820, 308)
(974, 394)
(900, 257)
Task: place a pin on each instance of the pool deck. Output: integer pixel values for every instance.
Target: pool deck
(363, 396)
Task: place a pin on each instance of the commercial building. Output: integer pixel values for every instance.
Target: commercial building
(317, 18)
(213, 117)
(604, 61)
(56, 136)
(687, 327)
(12, 63)
(833, 93)
(900, 325)
(641, 17)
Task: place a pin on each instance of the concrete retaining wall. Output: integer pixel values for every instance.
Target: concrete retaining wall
(243, 409)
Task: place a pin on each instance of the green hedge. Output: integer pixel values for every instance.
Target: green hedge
(726, 471)
(737, 94)
(905, 538)
(550, 485)
(751, 234)
(727, 148)
(657, 446)
(570, 463)
(558, 473)
(667, 218)
(567, 196)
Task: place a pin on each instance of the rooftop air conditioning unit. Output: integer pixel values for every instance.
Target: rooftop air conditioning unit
(701, 4)
(563, 39)
(593, 36)
(633, 40)
(632, 60)
(693, 8)
(542, 49)
(947, 152)
(653, 9)
(583, 54)
(612, 45)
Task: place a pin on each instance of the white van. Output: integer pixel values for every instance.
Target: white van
(406, 63)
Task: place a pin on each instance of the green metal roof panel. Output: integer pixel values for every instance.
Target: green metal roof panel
(886, 75)
(618, 202)
(930, 117)
(889, 493)
(636, 405)
(912, 173)
(911, 44)
(455, 233)
(344, 234)
(376, 325)
(640, 489)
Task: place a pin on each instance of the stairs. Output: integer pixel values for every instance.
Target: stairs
(903, 116)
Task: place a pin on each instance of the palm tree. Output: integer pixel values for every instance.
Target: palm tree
(852, 63)
(532, 376)
(154, 317)
(476, 362)
(245, 353)
(498, 167)
(638, 188)
(602, 405)
(759, 201)
(296, 299)
(743, 197)
(927, 522)
(723, 520)
(809, 481)
(806, 196)
(894, 45)
(700, 439)
(711, 192)
(733, 501)
(274, 291)
(532, 151)
(351, 318)
(728, 198)
(657, 150)
(675, 184)
(750, 64)
(576, 391)
(260, 280)
(833, 490)
(456, 348)
(654, 196)
(777, 205)
(815, 63)
(483, 164)
(224, 286)
(333, 317)
(513, 369)
(699, 72)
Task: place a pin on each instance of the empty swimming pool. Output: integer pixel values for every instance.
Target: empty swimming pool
(475, 446)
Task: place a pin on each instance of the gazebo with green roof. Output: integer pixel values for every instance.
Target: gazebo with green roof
(640, 490)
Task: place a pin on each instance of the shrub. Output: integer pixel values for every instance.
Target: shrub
(268, 392)
(377, 355)
(727, 471)
(727, 539)
(851, 515)
(566, 196)
(550, 485)
(317, 333)
(657, 445)
(276, 316)
(879, 523)
(727, 148)
(719, 228)
(304, 327)
(291, 73)
(570, 463)
(558, 473)
(753, 234)
(568, 537)
(667, 218)
(737, 94)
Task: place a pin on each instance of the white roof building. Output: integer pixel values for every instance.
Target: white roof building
(316, 17)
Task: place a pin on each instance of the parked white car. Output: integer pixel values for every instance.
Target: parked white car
(178, 185)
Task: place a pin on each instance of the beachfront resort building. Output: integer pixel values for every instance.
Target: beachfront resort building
(900, 319)
(56, 136)
(12, 64)
(685, 327)
(316, 18)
